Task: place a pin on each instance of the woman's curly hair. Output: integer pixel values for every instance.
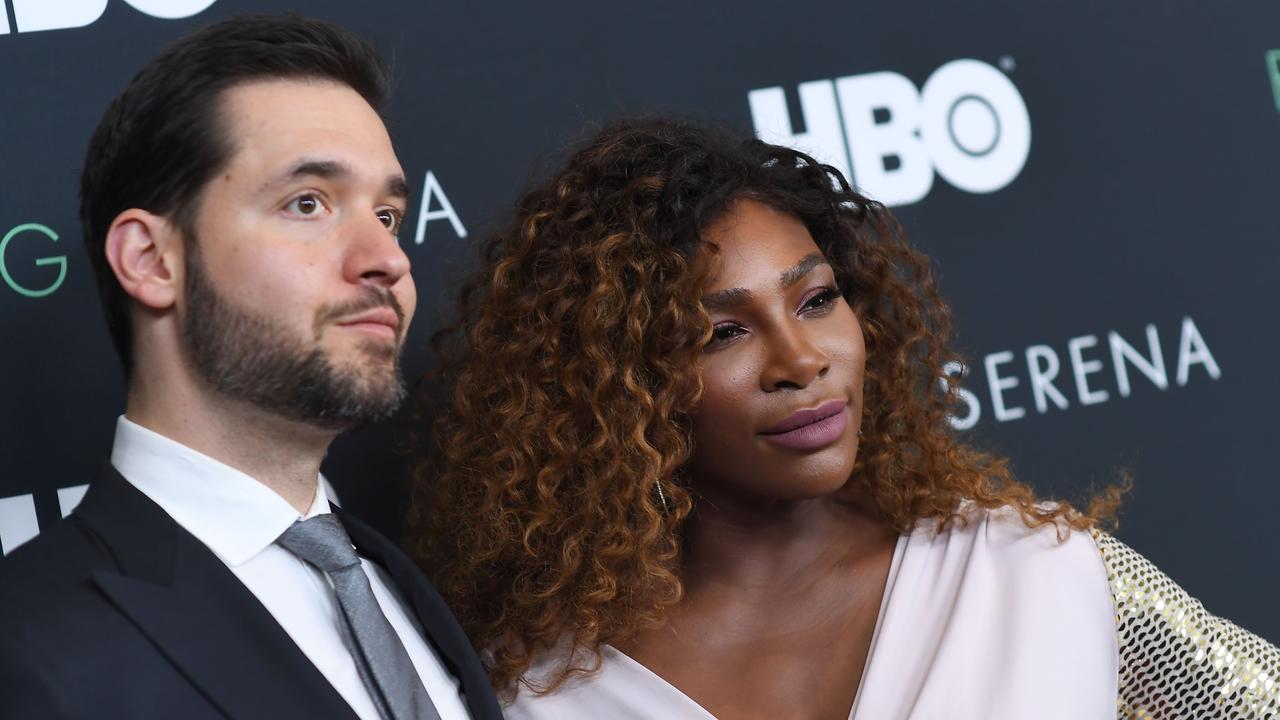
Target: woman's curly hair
(550, 498)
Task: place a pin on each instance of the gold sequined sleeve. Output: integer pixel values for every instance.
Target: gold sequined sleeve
(1178, 662)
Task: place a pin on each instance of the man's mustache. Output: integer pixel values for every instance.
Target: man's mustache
(374, 297)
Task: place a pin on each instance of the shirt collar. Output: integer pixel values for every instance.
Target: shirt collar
(236, 516)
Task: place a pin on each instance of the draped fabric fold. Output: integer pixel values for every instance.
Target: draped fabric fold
(985, 619)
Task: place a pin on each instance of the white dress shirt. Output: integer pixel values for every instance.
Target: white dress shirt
(239, 519)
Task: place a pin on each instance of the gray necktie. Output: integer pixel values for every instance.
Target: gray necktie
(380, 658)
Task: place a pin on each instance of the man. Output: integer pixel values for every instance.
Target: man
(240, 201)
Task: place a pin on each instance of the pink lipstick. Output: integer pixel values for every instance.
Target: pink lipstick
(810, 429)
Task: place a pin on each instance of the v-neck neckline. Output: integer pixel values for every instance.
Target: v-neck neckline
(703, 714)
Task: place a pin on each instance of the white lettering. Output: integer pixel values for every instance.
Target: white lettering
(1042, 386)
(70, 497)
(17, 521)
(37, 15)
(822, 137)
(171, 9)
(872, 144)
(431, 190)
(1083, 368)
(1193, 349)
(968, 122)
(976, 126)
(954, 369)
(1044, 366)
(40, 15)
(1122, 351)
(999, 384)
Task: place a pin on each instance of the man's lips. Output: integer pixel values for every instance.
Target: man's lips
(807, 417)
(380, 321)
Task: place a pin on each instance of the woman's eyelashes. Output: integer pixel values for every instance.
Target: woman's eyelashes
(816, 303)
(726, 332)
(820, 300)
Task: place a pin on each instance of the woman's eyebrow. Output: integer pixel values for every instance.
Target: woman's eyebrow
(730, 297)
(725, 299)
(807, 263)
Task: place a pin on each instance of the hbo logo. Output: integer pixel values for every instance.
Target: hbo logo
(968, 123)
(35, 15)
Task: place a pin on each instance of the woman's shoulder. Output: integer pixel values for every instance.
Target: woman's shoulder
(1004, 543)
(1173, 658)
(994, 579)
(985, 616)
(991, 561)
(1177, 658)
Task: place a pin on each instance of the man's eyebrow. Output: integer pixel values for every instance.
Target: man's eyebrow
(795, 274)
(397, 187)
(725, 299)
(326, 169)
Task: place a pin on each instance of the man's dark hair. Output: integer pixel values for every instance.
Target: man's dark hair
(162, 139)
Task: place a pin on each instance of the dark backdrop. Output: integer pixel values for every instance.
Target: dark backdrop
(1142, 207)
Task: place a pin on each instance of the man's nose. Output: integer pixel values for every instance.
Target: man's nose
(374, 255)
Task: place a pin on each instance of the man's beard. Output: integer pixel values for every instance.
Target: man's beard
(251, 357)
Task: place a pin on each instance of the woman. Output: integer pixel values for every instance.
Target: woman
(695, 463)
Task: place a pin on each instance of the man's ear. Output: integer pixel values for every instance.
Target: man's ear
(145, 251)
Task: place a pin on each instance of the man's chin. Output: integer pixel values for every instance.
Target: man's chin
(367, 352)
(375, 396)
(340, 397)
(376, 374)
(350, 413)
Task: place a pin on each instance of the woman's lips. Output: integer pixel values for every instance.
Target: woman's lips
(810, 429)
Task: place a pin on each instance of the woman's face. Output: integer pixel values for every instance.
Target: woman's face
(782, 377)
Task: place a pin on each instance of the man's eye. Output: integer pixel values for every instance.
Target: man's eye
(305, 205)
(391, 219)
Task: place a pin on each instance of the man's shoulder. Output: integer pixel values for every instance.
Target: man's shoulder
(70, 551)
(62, 553)
(48, 582)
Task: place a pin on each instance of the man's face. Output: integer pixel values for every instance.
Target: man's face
(298, 295)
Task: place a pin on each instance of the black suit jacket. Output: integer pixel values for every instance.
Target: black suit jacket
(118, 612)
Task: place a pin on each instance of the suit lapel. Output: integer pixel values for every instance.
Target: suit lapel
(198, 614)
(437, 620)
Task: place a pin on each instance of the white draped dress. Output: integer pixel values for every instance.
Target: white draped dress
(990, 620)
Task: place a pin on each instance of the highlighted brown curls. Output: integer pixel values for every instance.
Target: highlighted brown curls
(573, 371)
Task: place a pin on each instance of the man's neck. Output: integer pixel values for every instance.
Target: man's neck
(282, 454)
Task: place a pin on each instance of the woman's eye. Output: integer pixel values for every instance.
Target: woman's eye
(391, 219)
(725, 332)
(822, 300)
(305, 205)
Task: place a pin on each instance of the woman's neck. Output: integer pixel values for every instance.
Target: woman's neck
(751, 545)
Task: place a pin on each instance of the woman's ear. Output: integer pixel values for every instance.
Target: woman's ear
(144, 250)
